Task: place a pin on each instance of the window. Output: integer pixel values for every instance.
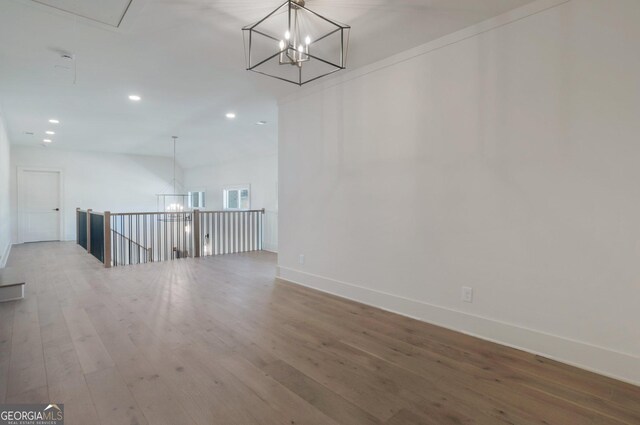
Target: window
(196, 200)
(237, 198)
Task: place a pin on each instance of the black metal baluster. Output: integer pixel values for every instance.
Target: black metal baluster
(114, 251)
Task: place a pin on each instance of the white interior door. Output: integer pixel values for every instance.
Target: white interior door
(39, 195)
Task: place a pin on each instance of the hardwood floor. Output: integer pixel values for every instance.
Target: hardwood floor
(219, 341)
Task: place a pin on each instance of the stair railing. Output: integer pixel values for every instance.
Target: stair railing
(142, 237)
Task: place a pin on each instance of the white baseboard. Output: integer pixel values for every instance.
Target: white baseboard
(270, 248)
(5, 255)
(621, 366)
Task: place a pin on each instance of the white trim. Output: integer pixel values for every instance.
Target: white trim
(5, 255)
(490, 24)
(20, 170)
(614, 364)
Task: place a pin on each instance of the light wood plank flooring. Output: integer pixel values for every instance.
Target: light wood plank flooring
(219, 341)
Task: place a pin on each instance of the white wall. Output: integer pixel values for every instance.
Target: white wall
(505, 158)
(101, 181)
(259, 172)
(5, 216)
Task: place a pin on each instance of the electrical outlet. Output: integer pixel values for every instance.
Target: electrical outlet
(301, 259)
(467, 294)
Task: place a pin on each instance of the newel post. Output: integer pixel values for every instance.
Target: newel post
(196, 233)
(77, 227)
(262, 222)
(107, 239)
(89, 229)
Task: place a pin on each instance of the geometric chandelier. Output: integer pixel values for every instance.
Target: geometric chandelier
(296, 44)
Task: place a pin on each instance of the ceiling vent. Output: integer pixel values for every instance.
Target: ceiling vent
(105, 12)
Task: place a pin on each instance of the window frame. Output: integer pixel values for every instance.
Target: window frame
(239, 188)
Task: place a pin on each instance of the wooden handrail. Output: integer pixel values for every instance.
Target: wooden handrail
(187, 212)
(172, 212)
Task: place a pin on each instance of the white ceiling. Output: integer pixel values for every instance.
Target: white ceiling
(186, 59)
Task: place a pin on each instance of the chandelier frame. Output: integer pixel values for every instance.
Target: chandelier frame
(290, 51)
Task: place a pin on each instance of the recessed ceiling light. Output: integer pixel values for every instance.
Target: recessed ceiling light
(53, 121)
(261, 123)
(231, 115)
(49, 132)
(46, 140)
(134, 97)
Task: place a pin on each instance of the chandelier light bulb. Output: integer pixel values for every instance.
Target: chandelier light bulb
(287, 35)
(307, 40)
(281, 45)
(300, 48)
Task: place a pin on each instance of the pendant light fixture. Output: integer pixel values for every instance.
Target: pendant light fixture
(173, 201)
(296, 44)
